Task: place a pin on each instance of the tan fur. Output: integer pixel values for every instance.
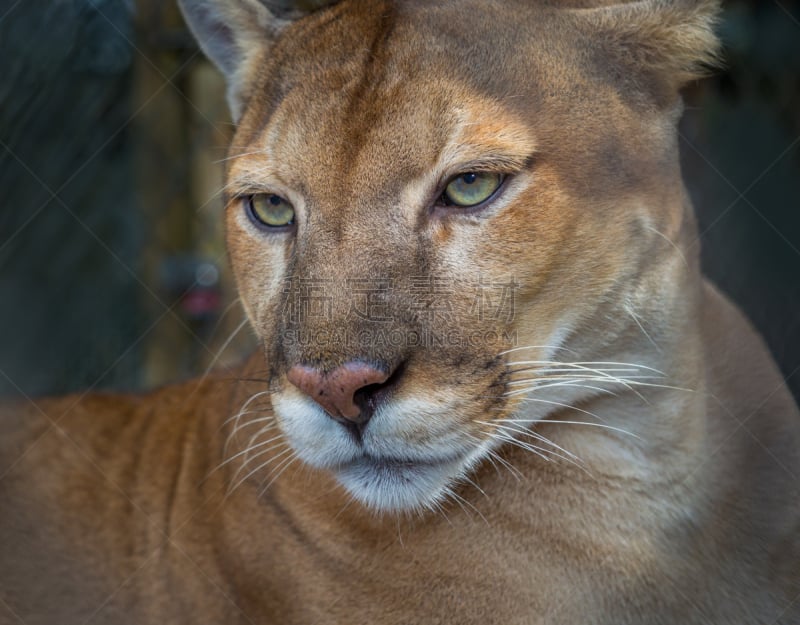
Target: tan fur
(677, 504)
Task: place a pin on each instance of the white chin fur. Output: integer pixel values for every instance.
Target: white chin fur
(386, 486)
(422, 481)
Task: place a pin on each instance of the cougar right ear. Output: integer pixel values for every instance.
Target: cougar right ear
(235, 33)
(668, 41)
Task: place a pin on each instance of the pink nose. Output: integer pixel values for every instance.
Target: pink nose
(335, 391)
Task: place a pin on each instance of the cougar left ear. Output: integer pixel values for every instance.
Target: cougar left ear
(669, 42)
(235, 33)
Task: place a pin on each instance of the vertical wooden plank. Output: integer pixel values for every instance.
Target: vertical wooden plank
(161, 157)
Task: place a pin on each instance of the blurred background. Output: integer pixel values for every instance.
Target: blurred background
(113, 272)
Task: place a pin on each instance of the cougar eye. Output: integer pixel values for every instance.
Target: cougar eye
(471, 188)
(269, 210)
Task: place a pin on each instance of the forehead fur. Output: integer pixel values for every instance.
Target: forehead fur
(643, 49)
(385, 87)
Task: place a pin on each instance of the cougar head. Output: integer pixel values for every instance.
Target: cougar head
(422, 195)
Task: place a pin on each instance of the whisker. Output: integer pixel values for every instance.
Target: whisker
(218, 193)
(224, 313)
(248, 450)
(671, 242)
(285, 464)
(474, 484)
(492, 454)
(262, 430)
(589, 423)
(550, 454)
(528, 432)
(567, 456)
(573, 383)
(240, 155)
(438, 506)
(259, 467)
(666, 386)
(547, 372)
(585, 365)
(236, 416)
(641, 327)
(254, 397)
(249, 458)
(561, 405)
(243, 409)
(458, 498)
(548, 347)
(621, 381)
(502, 436)
(269, 417)
(348, 503)
(225, 346)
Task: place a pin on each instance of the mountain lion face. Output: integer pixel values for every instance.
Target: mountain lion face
(433, 207)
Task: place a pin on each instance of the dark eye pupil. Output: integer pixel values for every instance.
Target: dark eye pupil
(469, 178)
(275, 200)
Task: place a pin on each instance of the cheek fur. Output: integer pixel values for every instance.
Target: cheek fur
(259, 261)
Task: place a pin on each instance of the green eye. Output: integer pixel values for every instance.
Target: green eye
(471, 188)
(270, 211)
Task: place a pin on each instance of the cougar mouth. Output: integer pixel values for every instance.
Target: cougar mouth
(395, 484)
(410, 455)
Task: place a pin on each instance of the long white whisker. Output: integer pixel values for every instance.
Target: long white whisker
(577, 377)
(561, 405)
(459, 499)
(285, 463)
(546, 372)
(666, 386)
(473, 483)
(250, 458)
(599, 372)
(225, 346)
(248, 450)
(574, 382)
(262, 430)
(548, 347)
(224, 313)
(528, 432)
(584, 365)
(249, 422)
(253, 398)
(550, 453)
(259, 467)
(503, 436)
(505, 429)
(589, 423)
(218, 193)
(271, 423)
(241, 413)
(242, 410)
(240, 155)
(671, 242)
(511, 468)
(641, 327)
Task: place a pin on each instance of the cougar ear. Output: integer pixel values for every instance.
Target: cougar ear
(234, 33)
(668, 41)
